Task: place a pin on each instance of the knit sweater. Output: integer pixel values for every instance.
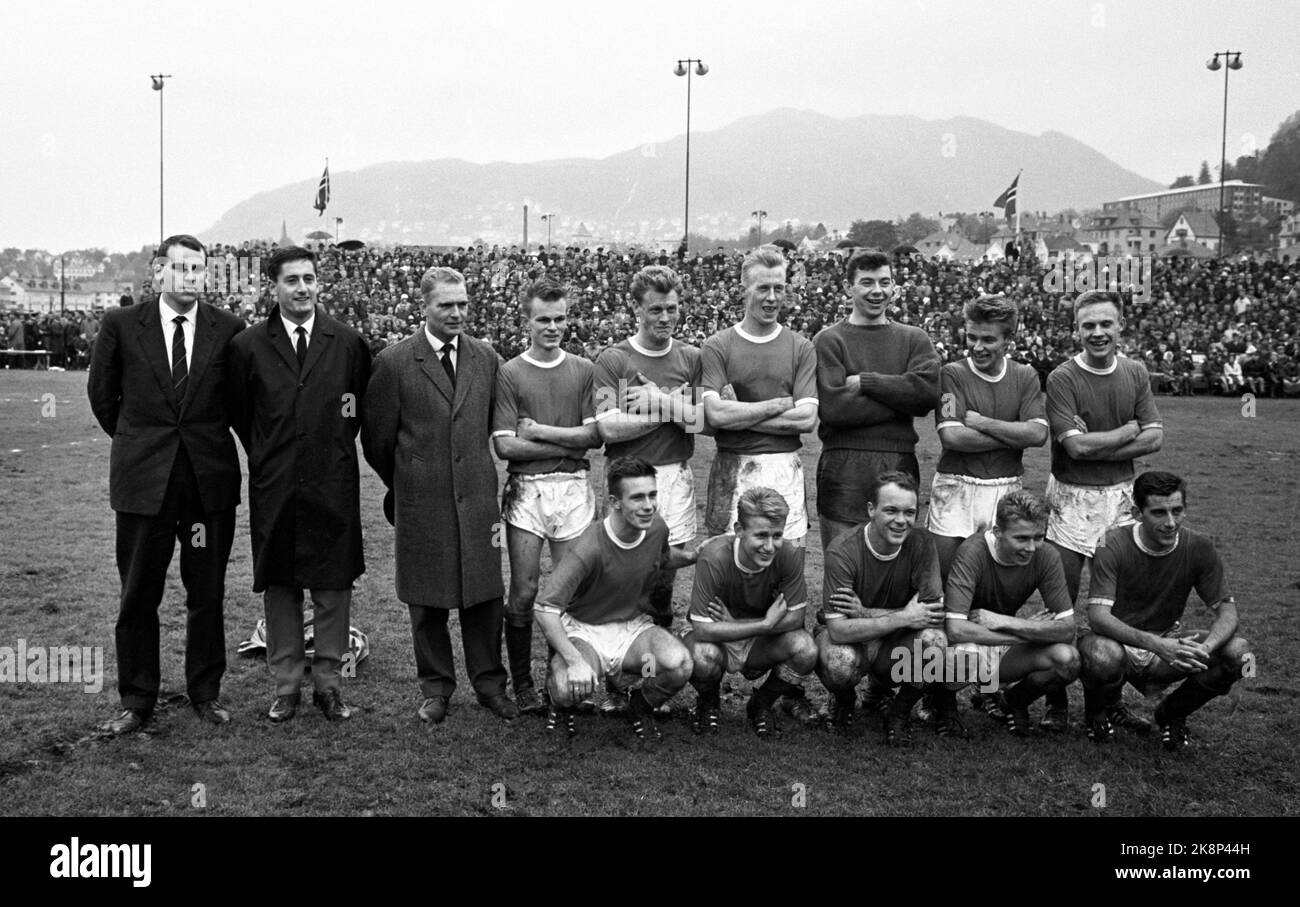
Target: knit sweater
(899, 372)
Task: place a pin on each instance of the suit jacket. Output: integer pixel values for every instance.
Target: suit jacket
(131, 395)
(300, 433)
(429, 444)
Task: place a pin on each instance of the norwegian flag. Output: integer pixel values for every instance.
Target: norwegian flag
(1008, 198)
(323, 190)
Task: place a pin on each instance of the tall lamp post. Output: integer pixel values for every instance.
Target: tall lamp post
(684, 69)
(158, 87)
(1233, 60)
(548, 218)
(760, 214)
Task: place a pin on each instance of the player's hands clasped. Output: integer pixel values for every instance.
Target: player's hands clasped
(1186, 655)
(847, 604)
(921, 615)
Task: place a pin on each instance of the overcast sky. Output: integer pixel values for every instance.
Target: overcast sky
(259, 98)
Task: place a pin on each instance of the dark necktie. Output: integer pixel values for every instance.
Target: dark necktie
(180, 369)
(446, 364)
(301, 347)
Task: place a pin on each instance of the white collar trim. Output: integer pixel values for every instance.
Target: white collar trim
(530, 359)
(992, 541)
(978, 374)
(626, 546)
(1079, 360)
(752, 338)
(1137, 540)
(735, 556)
(653, 354)
(866, 537)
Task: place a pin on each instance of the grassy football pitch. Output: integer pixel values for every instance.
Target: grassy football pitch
(59, 586)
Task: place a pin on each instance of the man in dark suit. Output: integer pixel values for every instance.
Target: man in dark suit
(425, 430)
(157, 386)
(295, 389)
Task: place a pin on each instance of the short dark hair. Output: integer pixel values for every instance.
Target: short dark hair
(545, 288)
(866, 260)
(179, 239)
(625, 468)
(1098, 297)
(281, 257)
(901, 479)
(1154, 483)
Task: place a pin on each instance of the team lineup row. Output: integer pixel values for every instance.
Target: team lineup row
(300, 386)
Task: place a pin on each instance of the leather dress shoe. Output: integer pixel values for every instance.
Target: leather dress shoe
(434, 709)
(129, 721)
(212, 711)
(284, 708)
(331, 705)
(501, 706)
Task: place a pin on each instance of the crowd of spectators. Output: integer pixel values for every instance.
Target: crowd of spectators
(1222, 326)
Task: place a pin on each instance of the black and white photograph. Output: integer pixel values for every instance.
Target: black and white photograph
(777, 409)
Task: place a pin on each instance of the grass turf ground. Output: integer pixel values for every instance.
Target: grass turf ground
(59, 586)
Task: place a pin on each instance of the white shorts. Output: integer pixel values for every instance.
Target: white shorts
(961, 506)
(677, 501)
(1142, 661)
(552, 505)
(609, 641)
(733, 474)
(738, 653)
(1082, 514)
(988, 664)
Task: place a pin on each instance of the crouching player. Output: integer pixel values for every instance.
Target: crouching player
(594, 610)
(747, 609)
(993, 574)
(881, 599)
(1141, 580)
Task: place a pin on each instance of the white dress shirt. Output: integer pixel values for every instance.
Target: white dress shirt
(438, 345)
(291, 329)
(167, 313)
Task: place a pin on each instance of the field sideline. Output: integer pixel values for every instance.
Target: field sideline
(59, 586)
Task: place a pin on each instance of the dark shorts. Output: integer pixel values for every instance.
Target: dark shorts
(844, 476)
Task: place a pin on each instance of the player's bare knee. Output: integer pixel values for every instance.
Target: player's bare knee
(1100, 659)
(523, 588)
(674, 663)
(1065, 661)
(1235, 652)
(803, 652)
(838, 666)
(708, 659)
(933, 639)
(558, 686)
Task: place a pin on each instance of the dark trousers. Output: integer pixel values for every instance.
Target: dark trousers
(144, 551)
(480, 633)
(286, 651)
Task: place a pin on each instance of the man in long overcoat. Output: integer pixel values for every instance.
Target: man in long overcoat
(296, 387)
(425, 431)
